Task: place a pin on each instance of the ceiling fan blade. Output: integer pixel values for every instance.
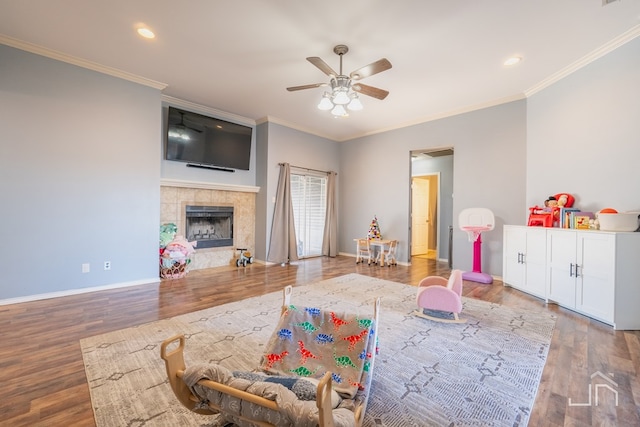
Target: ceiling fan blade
(370, 90)
(311, 86)
(369, 70)
(322, 66)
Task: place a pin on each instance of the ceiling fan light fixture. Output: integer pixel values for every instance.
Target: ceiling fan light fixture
(341, 97)
(325, 103)
(355, 104)
(339, 111)
(344, 91)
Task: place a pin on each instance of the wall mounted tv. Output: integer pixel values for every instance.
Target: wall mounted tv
(203, 141)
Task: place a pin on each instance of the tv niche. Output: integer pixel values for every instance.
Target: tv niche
(207, 142)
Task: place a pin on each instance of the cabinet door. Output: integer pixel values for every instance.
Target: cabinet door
(535, 262)
(513, 246)
(561, 254)
(596, 275)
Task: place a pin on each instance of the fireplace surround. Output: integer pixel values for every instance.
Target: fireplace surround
(176, 195)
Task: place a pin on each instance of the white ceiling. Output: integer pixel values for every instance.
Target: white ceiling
(239, 56)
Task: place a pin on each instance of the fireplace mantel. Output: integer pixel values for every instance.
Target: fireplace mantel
(208, 185)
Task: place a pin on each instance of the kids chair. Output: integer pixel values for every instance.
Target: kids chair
(363, 251)
(439, 294)
(475, 221)
(389, 256)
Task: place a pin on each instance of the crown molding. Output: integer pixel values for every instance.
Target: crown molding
(586, 60)
(63, 57)
(208, 185)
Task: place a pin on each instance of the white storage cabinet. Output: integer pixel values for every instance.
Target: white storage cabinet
(524, 263)
(596, 273)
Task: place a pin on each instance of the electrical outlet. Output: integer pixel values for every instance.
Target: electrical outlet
(86, 268)
(107, 265)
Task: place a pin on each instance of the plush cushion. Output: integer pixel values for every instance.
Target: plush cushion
(303, 388)
(294, 412)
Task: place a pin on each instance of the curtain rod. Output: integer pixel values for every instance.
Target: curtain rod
(308, 169)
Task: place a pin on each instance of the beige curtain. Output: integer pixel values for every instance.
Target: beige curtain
(283, 243)
(330, 238)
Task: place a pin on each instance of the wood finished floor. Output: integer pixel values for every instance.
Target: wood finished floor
(42, 379)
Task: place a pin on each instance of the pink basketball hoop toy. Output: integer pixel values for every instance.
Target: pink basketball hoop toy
(475, 221)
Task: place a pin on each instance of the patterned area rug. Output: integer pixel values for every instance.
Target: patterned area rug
(482, 373)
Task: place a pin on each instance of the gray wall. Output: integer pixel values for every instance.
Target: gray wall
(79, 177)
(489, 171)
(583, 135)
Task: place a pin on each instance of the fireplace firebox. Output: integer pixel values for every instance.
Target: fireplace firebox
(210, 226)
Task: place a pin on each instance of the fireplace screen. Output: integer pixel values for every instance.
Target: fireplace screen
(210, 226)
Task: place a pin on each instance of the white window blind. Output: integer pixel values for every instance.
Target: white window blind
(309, 199)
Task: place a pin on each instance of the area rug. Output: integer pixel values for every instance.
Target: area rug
(485, 372)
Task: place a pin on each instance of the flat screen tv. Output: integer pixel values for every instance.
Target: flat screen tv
(205, 141)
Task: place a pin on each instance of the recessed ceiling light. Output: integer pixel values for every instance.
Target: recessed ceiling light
(513, 60)
(146, 33)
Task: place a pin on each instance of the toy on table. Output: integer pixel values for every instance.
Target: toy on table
(374, 229)
(374, 233)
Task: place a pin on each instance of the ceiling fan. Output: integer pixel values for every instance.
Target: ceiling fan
(341, 83)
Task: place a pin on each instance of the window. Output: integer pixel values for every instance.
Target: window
(309, 199)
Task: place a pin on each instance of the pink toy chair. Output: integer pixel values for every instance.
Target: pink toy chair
(439, 294)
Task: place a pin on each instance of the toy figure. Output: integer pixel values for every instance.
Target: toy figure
(550, 203)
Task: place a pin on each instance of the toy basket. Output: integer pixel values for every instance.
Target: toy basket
(174, 268)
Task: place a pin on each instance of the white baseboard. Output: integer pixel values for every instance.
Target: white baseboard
(69, 292)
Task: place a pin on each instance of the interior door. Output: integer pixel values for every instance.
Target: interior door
(419, 216)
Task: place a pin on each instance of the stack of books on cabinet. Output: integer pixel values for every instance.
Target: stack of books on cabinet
(576, 219)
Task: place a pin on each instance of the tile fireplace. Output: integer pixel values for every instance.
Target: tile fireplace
(236, 201)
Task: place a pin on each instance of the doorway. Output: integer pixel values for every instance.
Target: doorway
(424, 216)
(431, 203)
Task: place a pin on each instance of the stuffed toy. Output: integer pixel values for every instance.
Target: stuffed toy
(550, 203)
(180, 247)
(565, 200)
(177, 251)
(167, 233)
